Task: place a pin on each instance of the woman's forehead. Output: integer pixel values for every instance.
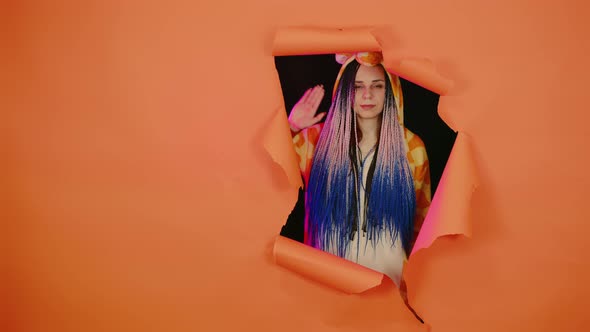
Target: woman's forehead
(369, 73)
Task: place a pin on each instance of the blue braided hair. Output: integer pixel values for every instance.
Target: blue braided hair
(332, 194)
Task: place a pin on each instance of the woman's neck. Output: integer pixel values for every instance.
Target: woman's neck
(369, 129)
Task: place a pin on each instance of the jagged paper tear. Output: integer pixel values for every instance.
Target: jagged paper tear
(279, 145)
(449, 210)
(450, 207)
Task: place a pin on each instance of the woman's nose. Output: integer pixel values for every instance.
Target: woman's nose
(367, 93)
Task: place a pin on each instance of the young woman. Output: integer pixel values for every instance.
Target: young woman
(366, 177)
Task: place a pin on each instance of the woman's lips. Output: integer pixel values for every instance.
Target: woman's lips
(367, 107)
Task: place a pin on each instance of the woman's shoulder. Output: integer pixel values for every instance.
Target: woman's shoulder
(416, 148)
(414, 141)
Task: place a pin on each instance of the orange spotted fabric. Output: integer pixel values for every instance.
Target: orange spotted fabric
(305, 142)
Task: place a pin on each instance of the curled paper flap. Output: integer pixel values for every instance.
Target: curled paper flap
(279, 145)
(421, 72)
(301, 41)
(450, 207)
(324, 268)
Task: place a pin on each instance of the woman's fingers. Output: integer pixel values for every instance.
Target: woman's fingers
(303, 113)
(315, 91)
(306, 95)
(318, 91)
(319, 117)
(317, 99)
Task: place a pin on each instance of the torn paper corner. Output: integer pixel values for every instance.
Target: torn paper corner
(450, 209)
(447, 110)
(421, 71)
(325, 268)
(278, 143)
(305, 41)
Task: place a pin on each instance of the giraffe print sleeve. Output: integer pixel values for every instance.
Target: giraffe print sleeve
(421, 171)
(304, 143)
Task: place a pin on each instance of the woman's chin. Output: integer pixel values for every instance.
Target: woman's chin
(367, 115)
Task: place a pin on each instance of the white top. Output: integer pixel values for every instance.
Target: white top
(387, 256)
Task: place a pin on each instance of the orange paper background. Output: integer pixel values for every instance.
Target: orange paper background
(137, 193)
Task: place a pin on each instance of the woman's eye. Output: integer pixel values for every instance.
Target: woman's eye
(379, 86)
(357, 87)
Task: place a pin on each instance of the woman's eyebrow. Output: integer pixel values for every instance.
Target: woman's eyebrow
(379, 80)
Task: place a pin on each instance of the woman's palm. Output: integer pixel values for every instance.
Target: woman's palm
(303, 113)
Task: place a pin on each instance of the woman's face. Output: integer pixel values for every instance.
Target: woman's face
(369, 89)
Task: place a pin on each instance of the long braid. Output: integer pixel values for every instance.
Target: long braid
(331, 199)
(391, 197)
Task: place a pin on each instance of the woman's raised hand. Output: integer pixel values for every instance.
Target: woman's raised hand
(303, 113)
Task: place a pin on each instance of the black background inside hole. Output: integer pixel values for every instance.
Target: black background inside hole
(299, 73)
